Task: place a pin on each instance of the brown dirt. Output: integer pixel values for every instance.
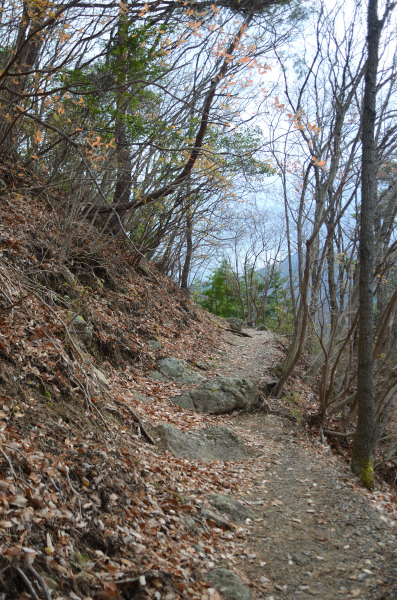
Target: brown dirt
(318, 533)
(98, 507)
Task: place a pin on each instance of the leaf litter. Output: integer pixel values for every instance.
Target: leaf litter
(89, 508)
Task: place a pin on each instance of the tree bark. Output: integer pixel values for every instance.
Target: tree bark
(189, 251)
(123, 181)
(362, 449)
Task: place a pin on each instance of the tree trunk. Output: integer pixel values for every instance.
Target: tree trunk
(123, 180)
(362, 449)
(189, 251)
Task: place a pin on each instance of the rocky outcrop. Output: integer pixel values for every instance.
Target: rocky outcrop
(213, 443)
(230, 586)
(155, 344)
(83, 329)
(177, 370)
(235, 323)
(219, 396)
(230, 506)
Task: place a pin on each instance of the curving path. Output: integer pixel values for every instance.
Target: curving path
(317, 532)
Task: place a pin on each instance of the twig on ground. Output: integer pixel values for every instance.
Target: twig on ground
(41, 582)
(138, 420)
(9, 463)
(27, 582)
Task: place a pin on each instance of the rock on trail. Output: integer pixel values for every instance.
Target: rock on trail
(219, 396)
(210, 444)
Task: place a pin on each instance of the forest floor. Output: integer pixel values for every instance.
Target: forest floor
(91, 507)
(317, 532)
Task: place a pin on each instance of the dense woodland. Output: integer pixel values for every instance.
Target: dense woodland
(246, 149)
(159, 158)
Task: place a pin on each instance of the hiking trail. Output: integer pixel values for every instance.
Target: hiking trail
(316, 531)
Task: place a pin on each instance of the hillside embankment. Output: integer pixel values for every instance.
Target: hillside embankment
(93, 502)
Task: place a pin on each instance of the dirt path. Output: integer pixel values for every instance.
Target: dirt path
(317, 532)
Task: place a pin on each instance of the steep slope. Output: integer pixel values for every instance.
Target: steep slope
(83, 497)
(92, 503)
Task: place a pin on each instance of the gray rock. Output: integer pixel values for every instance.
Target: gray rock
(235, 323)
(83, 329)
(230, 586)
(145, 399)
(219, 396)
(155, 344)
(262, 328)
(158, 376)
(101, 378)
(184, 400)
(213, 443)
(232, 507)
(220, 522)
(179, 371)
(191, 525)
(202, 366)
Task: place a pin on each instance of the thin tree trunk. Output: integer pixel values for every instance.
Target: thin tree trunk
(123, 181)
(189, 251)
(362, 449)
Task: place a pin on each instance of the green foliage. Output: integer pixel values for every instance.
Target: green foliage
(221, 294)
(107, 83)
(216, 294)
(242, 147)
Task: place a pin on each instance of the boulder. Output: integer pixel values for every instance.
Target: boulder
(178, 370)
(101, 379)
(155, 344)
(230, 506)
(230, 586)
(219, 521)
(262, 328)
(235, 323)
(83, 329)
(219, 396)
(158, 376)
(211, 444)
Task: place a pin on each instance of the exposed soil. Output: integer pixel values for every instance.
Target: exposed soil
(103, 513)
(318, 533)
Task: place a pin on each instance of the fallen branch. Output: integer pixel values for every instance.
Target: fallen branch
(141, 578)
(138, 420)
(338, 433)
(41, 582)
(27, 583)
(241, 333)
(18, 302)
